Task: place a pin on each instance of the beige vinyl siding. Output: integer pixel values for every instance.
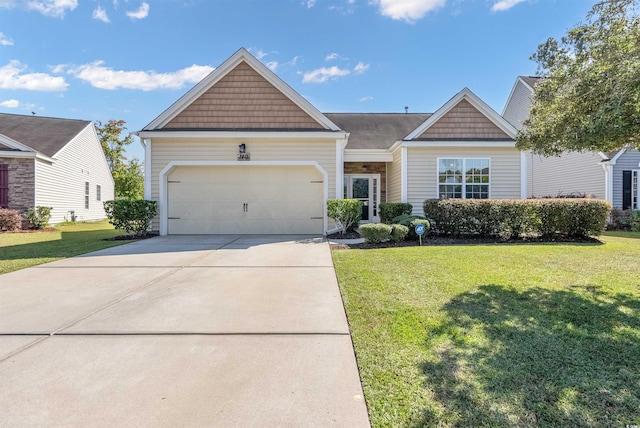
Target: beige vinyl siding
(164, 151)
(570, 173)
(394, 177)
(626, 162)
(461, 122)
(422, 171)
(61, 185)
(517, 111)
(243, 99)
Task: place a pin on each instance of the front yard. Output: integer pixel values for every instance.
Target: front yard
(497, 335)
(22, 250)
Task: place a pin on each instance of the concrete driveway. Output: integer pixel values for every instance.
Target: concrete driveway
(180, 331)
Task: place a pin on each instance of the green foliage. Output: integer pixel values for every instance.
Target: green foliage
(129, 180)
(619, 219)
(10, 220)
(38, 216)
(375, 232)
(588, 99)
(346, 212)
(634, 221)
(412, 228)
(406, 221)
(132, 216)
(390, 210)
(514, 218)
(127, 175)
(399, 232)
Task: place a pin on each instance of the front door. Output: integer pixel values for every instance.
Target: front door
(366, 189)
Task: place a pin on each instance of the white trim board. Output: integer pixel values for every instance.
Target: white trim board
(162, 180)
(242, 134)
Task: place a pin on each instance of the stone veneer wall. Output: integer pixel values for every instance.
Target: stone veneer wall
(21, 183)
(370, 168)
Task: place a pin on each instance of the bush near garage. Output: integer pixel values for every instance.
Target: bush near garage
(390, 210)
(132, 216)
(38, 217)
(506, 218)
(10, 220)
(346, 212)
(375, 232)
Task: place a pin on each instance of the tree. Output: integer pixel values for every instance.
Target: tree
(127, 174)
(589, 97)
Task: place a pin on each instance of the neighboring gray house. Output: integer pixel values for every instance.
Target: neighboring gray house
(53, 162)
(612, 176)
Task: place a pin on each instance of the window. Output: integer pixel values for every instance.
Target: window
(463, 178)
(98, 192)
(86, 195)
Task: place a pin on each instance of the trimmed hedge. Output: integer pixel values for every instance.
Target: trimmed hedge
(399, 232)
(10, 220)
(375, 232)
(408, 222)
(346, 212)
(132, 216)
(390, 210)
(507, 218)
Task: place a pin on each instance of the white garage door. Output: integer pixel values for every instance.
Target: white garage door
(245, 200)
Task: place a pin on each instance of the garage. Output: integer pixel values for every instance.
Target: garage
(245, 199)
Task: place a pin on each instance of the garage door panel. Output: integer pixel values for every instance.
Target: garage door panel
(210, 200)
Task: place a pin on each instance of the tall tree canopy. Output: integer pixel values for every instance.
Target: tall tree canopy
(589, 98)
(127, 174)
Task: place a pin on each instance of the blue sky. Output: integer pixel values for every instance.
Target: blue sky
(131, 59)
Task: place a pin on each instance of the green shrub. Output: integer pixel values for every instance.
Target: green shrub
(399, 232)
(619, 219)
(390, 210)
(10, 220)
(412, 228)
(134, 217)
(346, 212)
(634, 221)
(375, 232)
(513, 218)
(39, 216)
(406, 220)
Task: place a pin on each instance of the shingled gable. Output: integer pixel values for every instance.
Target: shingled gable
(242, 94)
(464, 117)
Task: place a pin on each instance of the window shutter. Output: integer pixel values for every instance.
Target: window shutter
(626, 190)
(4, 186)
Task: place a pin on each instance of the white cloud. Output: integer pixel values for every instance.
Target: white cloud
(323, 74)
(55, 8)
(10, 104)
(60, 68)
(309, 3)
(332, 56)
(364, 99)
(103, 77)
(141, 13)
(5, 41)
(361, 68)
(272, 65)
(502, 5)
(101, 14)
(7, 4)
(11, 78)
(407, 10)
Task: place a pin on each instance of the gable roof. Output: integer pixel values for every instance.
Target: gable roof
(241, 66)
(376, 130)
(530, 81)
(471, 107)
(46, 135)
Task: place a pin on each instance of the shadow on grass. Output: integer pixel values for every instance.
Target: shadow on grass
(70, 244)
(502, 357)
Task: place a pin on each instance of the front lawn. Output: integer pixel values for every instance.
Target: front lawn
(22, 250)
(497, 335)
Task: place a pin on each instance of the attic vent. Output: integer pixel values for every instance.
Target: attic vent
(406, 109)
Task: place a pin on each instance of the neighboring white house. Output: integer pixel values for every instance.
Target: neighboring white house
(612, 176)
(242, 152)
(53, 162)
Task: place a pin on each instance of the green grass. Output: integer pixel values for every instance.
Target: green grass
(497, 335)
(22, 250)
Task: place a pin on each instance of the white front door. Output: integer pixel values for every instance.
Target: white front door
(364, 188)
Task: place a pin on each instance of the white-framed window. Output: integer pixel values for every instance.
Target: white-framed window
(86, 195)
(464, 178)
(98, 192)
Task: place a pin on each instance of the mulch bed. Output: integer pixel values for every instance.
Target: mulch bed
(443, 240)
(131, 237)
(44, 229)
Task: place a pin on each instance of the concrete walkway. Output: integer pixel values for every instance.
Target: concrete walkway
(194, 331)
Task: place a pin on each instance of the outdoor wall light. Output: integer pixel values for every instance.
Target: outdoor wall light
(242, 148)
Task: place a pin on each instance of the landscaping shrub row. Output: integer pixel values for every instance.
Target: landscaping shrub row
(513, 218)
(36, 218)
